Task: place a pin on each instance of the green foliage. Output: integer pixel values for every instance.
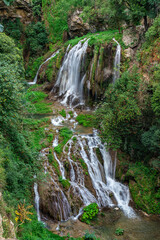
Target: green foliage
(57, 15)
(58, 149)
(65, 182)
(65, 134)
(119, 232)
(85, 120)
(53, 161)
(144, 188)
(151, 139)
(156, 101)
(90, 236)
(40, 106)
(33, 67)
(71, 114)
(63, 113)
(36, 7)
(36, 38)
(35, 230)
(13, 28)
(83, 164)
(118, 116)
(89, 213)
(154, 31)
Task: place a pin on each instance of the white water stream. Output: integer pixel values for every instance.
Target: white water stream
(117, 61)
(35, 79)
(36, 199)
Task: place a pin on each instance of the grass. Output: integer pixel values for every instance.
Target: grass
(65, 134)
(63, 113)
(65, 182)
(85, 120)
(98, 38)
(36, 102)
(35, 123)
(83, 164)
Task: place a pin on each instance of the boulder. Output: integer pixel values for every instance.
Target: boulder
(76, 25)
(129, 52)
(132, 36)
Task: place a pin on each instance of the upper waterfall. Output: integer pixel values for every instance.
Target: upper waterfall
(71, 75)
(117, 61)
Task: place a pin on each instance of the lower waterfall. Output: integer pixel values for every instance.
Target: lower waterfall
(106, 191)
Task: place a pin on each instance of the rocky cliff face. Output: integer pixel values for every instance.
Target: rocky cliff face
(19, 9)
(77, 27)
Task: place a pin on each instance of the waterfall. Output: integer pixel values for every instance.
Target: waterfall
(37, 200)
(60, 202)
(35, 79)
(71, 75)
(117, 61)
(102, 175)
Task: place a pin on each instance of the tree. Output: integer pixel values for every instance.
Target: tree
(139, 9)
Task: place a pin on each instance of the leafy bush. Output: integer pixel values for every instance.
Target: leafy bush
(36, 38)
(63, 113)
(154, 31)
(120, 112)
(36, 7)
(13, 28)
(155, 100)
(119, 232)
(65, 134)
(90, 236)
(144, 188)
(65, 182)
(89, 212)
(35, 230)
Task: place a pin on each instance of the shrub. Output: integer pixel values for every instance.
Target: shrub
(63, 113)
(119, 232)
(89, 212)
(36, 38)
(65, 182)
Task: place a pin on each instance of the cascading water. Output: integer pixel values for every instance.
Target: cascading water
(117, 61)
(71, 76)
(35, 79)
(107, 191)
(60, 202)
(37, 198)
